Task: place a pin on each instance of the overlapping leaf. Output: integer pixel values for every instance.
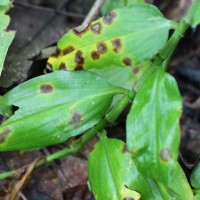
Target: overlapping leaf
(113, 175)
(5, 36)
(179, 188)
(193, 16)
(195, 177)
(53, 108)
(111, 5)
(124, 37)
(153, 133)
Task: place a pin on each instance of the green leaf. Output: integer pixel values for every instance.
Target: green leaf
(4, 2)
(179, 186)
(53, 108)
(195, 177)
(111, 5)
(193, 16)
(6, 37)
(113, 175)
(197, 197)
(153, 133)
(124, 37)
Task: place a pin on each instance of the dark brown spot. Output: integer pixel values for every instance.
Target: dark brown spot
(57, 53)
(46, 88)
(4, 134)
(124, 149)
(101, 47)
(62, 66)
(127, 61)
(165, 155)
(78, 67)
(79, 60)
(80, 30)
(96, 28)
(95, 55)
(108, 19)
(117, 44)
(128, 198)
(136, 70)
(2, 119)
(76, 118)
(68, 50)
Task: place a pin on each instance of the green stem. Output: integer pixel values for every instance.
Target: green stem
(76, 145)
(170, 47)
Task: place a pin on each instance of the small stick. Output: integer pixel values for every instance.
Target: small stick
(93, 12)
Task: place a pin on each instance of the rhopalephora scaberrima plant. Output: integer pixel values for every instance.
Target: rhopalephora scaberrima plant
(118, 59)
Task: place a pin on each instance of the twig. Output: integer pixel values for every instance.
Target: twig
(93, 12)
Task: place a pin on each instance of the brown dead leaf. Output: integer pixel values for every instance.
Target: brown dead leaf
(21, 183)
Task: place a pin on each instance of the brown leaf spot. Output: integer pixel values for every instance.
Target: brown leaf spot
(57, 53)
(79, 67)
(136, 70)
(101, 47)
(6, 131)
(124, 149)
(68, 50)
(76, 118)
(127, 61)
(46, 88)
(96, 28)
(108, 19)
(95, 55)
(117, 44)
(128, 198)
(79, 60)
(62, 66)
(165, 154)
(2, 119)
(80, 30)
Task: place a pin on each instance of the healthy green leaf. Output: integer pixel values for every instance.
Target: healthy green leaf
(195, 177)
(4, 2)
(113, 175)
(6, 37)
(111, 5)
(193, 16)
(124, 37)
(197, 197)
(179, 187)
(53, 108)
(153, 133)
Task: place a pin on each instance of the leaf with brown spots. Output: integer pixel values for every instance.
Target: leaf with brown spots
(116, 173)
(123, 37)
(153, 133)
(53, 108)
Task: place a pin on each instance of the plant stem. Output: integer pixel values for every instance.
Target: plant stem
(76, 145)
(170, 47)
(184, 24)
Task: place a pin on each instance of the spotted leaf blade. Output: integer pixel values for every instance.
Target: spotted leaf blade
(113, 175)
(124, 37)
(153, 133)
(53, 108)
